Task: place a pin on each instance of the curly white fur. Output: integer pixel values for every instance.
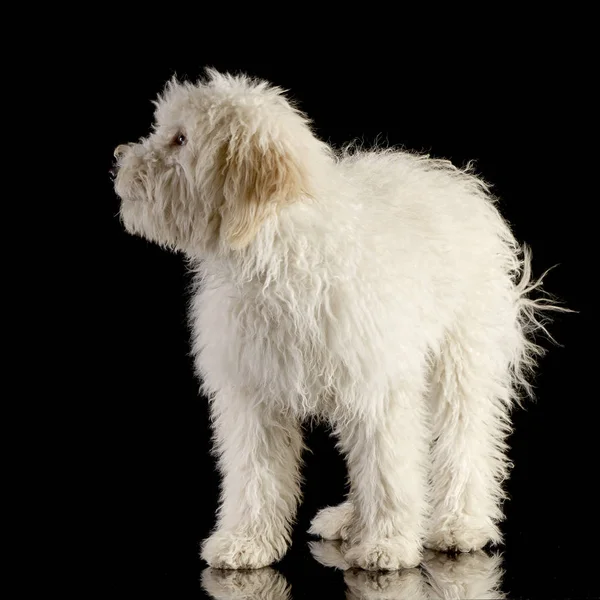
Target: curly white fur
(379, 290)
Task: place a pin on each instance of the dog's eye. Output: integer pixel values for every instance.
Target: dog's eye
(180, 139)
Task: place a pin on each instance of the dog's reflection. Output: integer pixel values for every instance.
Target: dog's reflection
(256, 584)
(471, 575)
(440, 577)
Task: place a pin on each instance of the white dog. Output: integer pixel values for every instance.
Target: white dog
(380, 291)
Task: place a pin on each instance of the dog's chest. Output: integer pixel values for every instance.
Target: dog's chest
(270, 341)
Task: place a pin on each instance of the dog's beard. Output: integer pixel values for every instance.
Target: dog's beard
(159, 205)
(146, 200)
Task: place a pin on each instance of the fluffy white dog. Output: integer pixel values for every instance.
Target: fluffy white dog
(381, 291)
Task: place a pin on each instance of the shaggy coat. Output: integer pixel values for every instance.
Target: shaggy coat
(380, 291)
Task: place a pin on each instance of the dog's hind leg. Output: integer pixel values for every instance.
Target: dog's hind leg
(471, 396)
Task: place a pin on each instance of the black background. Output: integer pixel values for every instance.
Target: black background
(522, 114)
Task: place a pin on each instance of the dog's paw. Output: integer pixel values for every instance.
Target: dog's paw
(333, 522)
(232, 550)
(462, 534)
(266, 584)
(387, 554)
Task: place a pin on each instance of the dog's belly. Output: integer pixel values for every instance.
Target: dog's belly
(306, 359)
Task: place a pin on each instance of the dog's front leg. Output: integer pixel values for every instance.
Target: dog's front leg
(386, 449)
(259, 458)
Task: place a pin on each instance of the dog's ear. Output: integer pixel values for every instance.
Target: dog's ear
(260, 175)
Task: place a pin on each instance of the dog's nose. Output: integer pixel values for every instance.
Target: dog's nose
(120, 149)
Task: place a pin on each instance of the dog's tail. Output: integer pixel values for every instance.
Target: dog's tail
(534, 307)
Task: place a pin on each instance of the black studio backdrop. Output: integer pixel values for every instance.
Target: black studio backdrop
(512, 116)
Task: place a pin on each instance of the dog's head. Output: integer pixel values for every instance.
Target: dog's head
(224, 156)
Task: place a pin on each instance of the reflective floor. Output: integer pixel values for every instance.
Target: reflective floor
(522, 570)
(477, 575)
